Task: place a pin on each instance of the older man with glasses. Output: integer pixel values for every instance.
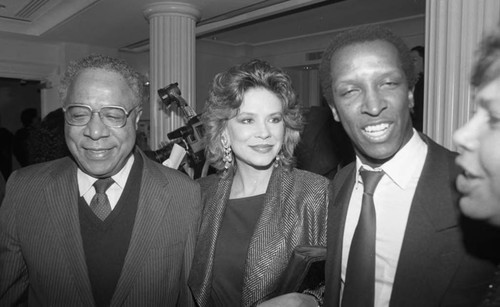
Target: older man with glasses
(107, 226)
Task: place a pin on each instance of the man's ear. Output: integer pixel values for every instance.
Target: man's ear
(411, 99)
(137, 118)
(335, 114)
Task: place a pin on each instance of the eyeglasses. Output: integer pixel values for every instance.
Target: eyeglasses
(111, 116)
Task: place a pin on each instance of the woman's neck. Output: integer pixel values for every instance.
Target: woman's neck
(249, 181)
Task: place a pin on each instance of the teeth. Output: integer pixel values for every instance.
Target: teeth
(376, 128)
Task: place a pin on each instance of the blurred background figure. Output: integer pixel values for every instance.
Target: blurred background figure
(418, 57)
(47, 141)
(478, 141)
(30, 121)
(478, 144)
(258, 208)
(324, 147)
(6, 139)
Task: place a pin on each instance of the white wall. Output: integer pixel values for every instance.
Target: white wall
(211, 58)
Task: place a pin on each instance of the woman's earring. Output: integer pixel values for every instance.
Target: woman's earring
(228, 155)
(277, 160)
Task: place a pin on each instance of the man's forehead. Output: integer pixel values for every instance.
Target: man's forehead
(374, 51)
(365, 47)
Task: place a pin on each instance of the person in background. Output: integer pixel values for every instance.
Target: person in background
(258, 208)
(47, 141)
(478, 144)
(21, 145)
(107, 226)
(417, 114)
(401, 242)
(6, 139)
(324, 147)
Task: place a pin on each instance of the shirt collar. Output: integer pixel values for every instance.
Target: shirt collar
(401, 167)
(85, 181)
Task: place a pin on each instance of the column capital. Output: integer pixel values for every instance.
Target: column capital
(171, 8)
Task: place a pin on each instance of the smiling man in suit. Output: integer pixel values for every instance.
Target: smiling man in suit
(107, 226)
(401, 242)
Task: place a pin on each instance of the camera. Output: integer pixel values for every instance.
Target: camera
(192, 134)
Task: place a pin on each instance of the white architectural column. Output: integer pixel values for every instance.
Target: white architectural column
(172, 59)
(453, 30)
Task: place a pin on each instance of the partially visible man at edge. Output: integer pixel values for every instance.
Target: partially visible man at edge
(63, 244)
(422, 248)
(478, 144)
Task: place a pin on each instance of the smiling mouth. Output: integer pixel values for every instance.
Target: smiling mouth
(262, 148)
(376, 131)
(97, 153)
(97, 150)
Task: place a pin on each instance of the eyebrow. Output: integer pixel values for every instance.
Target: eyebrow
(252, 113)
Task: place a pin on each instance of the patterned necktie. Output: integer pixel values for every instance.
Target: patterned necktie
(100, 202)
(359, 287)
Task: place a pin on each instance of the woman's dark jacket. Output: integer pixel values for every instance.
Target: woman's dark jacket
(294, 213)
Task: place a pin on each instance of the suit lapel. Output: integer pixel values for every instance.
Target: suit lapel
(341, 190)
(200, 279)
(151, 211)
(266, 240)
(62, 202)
(432, 215)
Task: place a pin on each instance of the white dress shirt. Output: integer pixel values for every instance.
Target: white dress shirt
(392, 198)
(86, 184)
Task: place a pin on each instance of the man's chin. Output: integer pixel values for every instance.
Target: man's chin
(97, 170)
(376, 159)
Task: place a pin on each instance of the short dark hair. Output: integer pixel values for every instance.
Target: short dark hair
(487, 67)
(420, 50)
(361, 34)
(96, 61)
(225, 98)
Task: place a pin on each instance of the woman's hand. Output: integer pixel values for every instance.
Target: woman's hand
(291, 300)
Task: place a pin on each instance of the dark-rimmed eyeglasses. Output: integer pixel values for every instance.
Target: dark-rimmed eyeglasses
(111, 116)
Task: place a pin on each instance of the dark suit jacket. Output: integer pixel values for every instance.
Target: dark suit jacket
(436, 267)
(42, 261)
(294, 213)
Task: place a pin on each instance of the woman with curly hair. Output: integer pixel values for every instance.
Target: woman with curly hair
(258, 208)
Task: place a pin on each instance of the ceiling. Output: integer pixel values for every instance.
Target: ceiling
(120, 23)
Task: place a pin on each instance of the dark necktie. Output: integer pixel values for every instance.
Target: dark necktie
(100, 202)
(359, 287)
